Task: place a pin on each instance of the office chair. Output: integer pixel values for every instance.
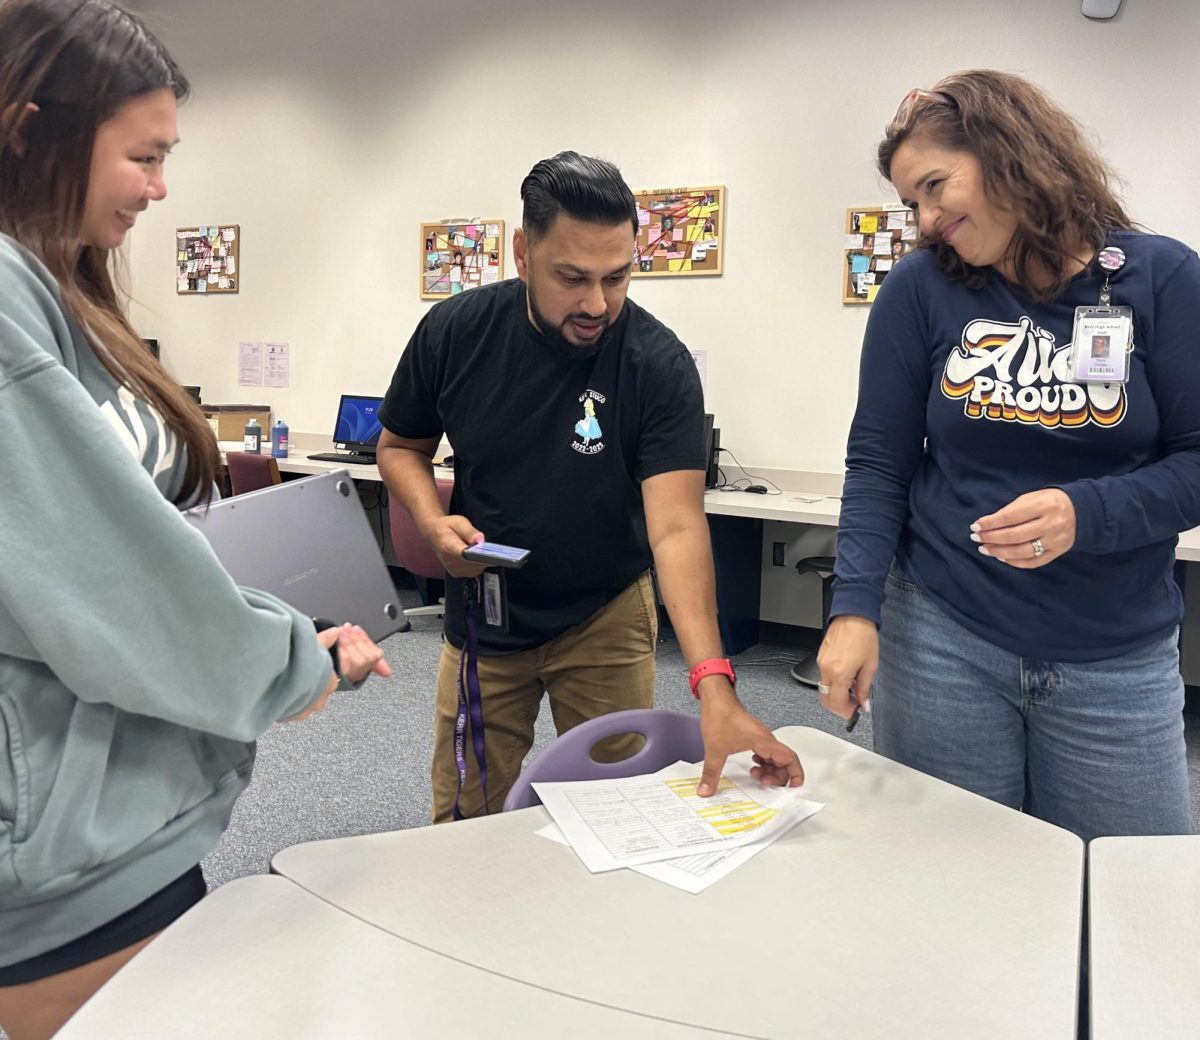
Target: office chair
(415, 554)
(251, 472)
(806, 671)
(670, 737)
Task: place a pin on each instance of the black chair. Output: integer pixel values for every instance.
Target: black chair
(805, 671)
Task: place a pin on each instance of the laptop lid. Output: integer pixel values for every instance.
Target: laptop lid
(357, 426)
(309, 543)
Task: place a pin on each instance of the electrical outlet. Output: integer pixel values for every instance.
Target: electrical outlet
(777, 554)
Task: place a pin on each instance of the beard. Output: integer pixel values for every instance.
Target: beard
(553, 334)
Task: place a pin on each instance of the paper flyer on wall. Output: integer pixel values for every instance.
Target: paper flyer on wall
(647, 819)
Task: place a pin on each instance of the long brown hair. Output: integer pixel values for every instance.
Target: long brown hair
(78, 61)
(1035, 161)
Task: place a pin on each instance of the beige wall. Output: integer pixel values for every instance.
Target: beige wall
(329, 131)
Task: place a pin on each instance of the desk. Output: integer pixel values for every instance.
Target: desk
(735, 521)
(788, 506)
(299, 463)
(906, 909)
(1144, 943)
(261, 958)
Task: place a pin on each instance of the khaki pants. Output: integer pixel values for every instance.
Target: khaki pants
(605, 664)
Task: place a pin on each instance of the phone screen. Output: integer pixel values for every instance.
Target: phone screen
(508, 552)
(493, 552)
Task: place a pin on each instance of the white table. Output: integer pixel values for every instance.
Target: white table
(1144, 937)
(260, 958)
(906, 908)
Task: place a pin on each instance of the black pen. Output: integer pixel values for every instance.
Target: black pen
(853, 720)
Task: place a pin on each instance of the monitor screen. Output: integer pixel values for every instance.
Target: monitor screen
(710, 452)
(357, 422)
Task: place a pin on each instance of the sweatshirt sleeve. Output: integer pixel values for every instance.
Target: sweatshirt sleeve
(103, 581)
(1155, 502)
(885, 446)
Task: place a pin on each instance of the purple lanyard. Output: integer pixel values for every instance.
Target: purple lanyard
(470, 701)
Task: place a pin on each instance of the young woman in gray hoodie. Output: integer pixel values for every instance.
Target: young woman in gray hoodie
(134, 675)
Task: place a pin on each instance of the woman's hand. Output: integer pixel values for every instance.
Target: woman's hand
(1031, 531)
(848, 660)
(358, 657)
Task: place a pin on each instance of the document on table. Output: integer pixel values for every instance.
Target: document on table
(647, 819)
(691, 873)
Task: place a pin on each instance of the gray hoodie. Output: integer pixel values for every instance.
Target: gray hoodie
(134, 675)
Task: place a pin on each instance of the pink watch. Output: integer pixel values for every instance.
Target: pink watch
(713, 666)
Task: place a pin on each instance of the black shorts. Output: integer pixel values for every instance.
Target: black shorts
(142, 921)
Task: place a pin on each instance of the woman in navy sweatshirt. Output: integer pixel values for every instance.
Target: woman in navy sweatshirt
(1005, 602)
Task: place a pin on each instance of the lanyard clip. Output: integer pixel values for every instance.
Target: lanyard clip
(1110, 259)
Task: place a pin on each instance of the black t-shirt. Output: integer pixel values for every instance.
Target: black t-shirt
(550, 447)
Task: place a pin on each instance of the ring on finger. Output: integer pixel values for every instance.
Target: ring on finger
(823, 689)
(1038, 548)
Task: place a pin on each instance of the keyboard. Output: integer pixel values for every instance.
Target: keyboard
(354, 458)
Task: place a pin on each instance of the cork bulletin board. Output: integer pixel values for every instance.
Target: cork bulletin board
(207, 259)
(876, 239)
(681, 231)
(457, 255)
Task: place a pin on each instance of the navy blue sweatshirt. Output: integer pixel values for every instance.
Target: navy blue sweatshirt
(966, 402)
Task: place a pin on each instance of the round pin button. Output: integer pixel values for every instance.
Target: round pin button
(1111, 258)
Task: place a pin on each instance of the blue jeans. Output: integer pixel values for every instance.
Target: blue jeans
(1096, 747)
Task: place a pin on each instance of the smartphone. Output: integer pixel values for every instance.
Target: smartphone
(496, 555)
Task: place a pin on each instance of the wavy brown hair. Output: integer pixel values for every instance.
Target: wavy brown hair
(1036, 164)
(78, 61)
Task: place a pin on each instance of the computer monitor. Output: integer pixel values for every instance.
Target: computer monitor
(357, 425)
(712, 448)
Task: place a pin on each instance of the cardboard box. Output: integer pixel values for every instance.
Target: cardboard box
(228, 421)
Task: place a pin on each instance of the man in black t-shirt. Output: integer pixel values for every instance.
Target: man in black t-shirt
(576, 422)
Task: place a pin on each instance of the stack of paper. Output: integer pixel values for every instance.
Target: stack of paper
(658, 825)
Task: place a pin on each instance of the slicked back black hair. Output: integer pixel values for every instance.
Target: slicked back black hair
(584, 188)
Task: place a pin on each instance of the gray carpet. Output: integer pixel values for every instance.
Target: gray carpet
(362, 765)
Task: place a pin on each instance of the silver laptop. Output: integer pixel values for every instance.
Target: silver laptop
(307, 542)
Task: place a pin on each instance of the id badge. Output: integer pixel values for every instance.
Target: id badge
(1100, 346)
(495, 599)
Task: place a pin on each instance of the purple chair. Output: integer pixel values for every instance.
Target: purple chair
(670, 737)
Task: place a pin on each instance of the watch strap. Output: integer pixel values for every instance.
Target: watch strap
(713, 666)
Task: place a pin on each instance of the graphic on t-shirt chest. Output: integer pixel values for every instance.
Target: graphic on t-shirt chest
(588, 432)
(1014, 372)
